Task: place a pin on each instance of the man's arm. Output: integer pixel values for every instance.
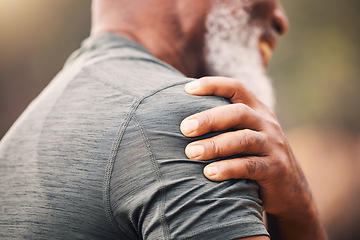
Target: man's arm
(267, 156)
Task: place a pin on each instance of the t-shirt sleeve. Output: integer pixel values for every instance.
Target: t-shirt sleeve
(158, 193)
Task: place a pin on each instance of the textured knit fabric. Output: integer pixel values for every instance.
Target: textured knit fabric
(99, 155)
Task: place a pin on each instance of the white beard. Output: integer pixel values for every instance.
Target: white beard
(232, 50)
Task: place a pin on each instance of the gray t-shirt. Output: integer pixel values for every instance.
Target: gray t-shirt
(99, 155)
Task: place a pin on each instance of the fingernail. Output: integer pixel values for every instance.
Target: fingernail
(189, 126)
(195, 151)
(192, 86)
(211, 171)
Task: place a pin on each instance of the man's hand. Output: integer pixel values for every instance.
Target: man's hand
(268, 158)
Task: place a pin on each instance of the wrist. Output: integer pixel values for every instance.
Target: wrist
(296, 225)
(299, 219)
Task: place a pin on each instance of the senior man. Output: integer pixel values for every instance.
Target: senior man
(99, 154)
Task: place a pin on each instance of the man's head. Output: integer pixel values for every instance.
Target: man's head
(239, 40)
(233, 38)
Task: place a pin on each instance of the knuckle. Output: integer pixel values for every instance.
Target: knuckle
(242, 107)
(280, 164)
(275, 135)
(240, 87)
(248, 140)
(280, 142)
(260, 140)
(208, 119)
(263, 166)
(257, 168)
(251, 167)
(241, 91)
(242, 142)
(247, 115)
(274, 125)
(214, 147)
(243, 110)
(263, 169)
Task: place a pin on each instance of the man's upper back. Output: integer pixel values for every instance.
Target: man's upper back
(98, 155)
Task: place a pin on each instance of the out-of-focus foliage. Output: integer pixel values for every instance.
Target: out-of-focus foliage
(317, 66)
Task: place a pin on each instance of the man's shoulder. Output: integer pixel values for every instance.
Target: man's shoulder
(171, 101)
(121, 64)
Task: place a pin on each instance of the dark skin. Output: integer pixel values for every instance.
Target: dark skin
(269, 160)
(182, 48)
(173, 31)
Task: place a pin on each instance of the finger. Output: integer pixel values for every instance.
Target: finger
(245, 142)
(228, 88)
(254, 168)
(234, 116)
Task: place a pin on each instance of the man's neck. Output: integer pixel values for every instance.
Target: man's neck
(173, 41)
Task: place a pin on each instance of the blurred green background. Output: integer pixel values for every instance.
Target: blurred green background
(317, 66)
(315, 71)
